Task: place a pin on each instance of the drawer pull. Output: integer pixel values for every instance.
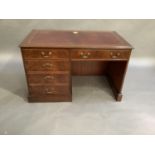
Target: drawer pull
(49, 77)
(118, 54)
(46, 55)
(84, 55)
(48, 91)
(115, 56)
(47, 65)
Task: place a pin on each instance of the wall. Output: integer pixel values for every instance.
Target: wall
(140, 33)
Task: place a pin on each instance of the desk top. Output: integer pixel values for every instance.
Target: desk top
(75, 39)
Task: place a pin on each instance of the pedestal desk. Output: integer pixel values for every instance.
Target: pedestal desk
(52, 57)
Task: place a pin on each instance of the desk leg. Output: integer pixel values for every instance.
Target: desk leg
(116, 74)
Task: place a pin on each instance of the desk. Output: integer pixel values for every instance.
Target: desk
(52, 57)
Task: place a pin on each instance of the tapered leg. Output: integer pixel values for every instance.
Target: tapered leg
(116, 73)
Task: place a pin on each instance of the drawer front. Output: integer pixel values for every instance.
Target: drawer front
(100, 54)
(48, 78)
(45, 54)
(35, 65)
(49, 90)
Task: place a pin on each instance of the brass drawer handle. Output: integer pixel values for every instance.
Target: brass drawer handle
(48, 91)
(85, 55)
(118, 54)
(46, 55)
(115, 56)
(48, 77)
(47, 65)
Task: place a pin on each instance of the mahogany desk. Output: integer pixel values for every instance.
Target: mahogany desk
(52, 57)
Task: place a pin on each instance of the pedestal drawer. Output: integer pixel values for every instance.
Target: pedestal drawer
(49, 90)
(35, 65)
(48, 78)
